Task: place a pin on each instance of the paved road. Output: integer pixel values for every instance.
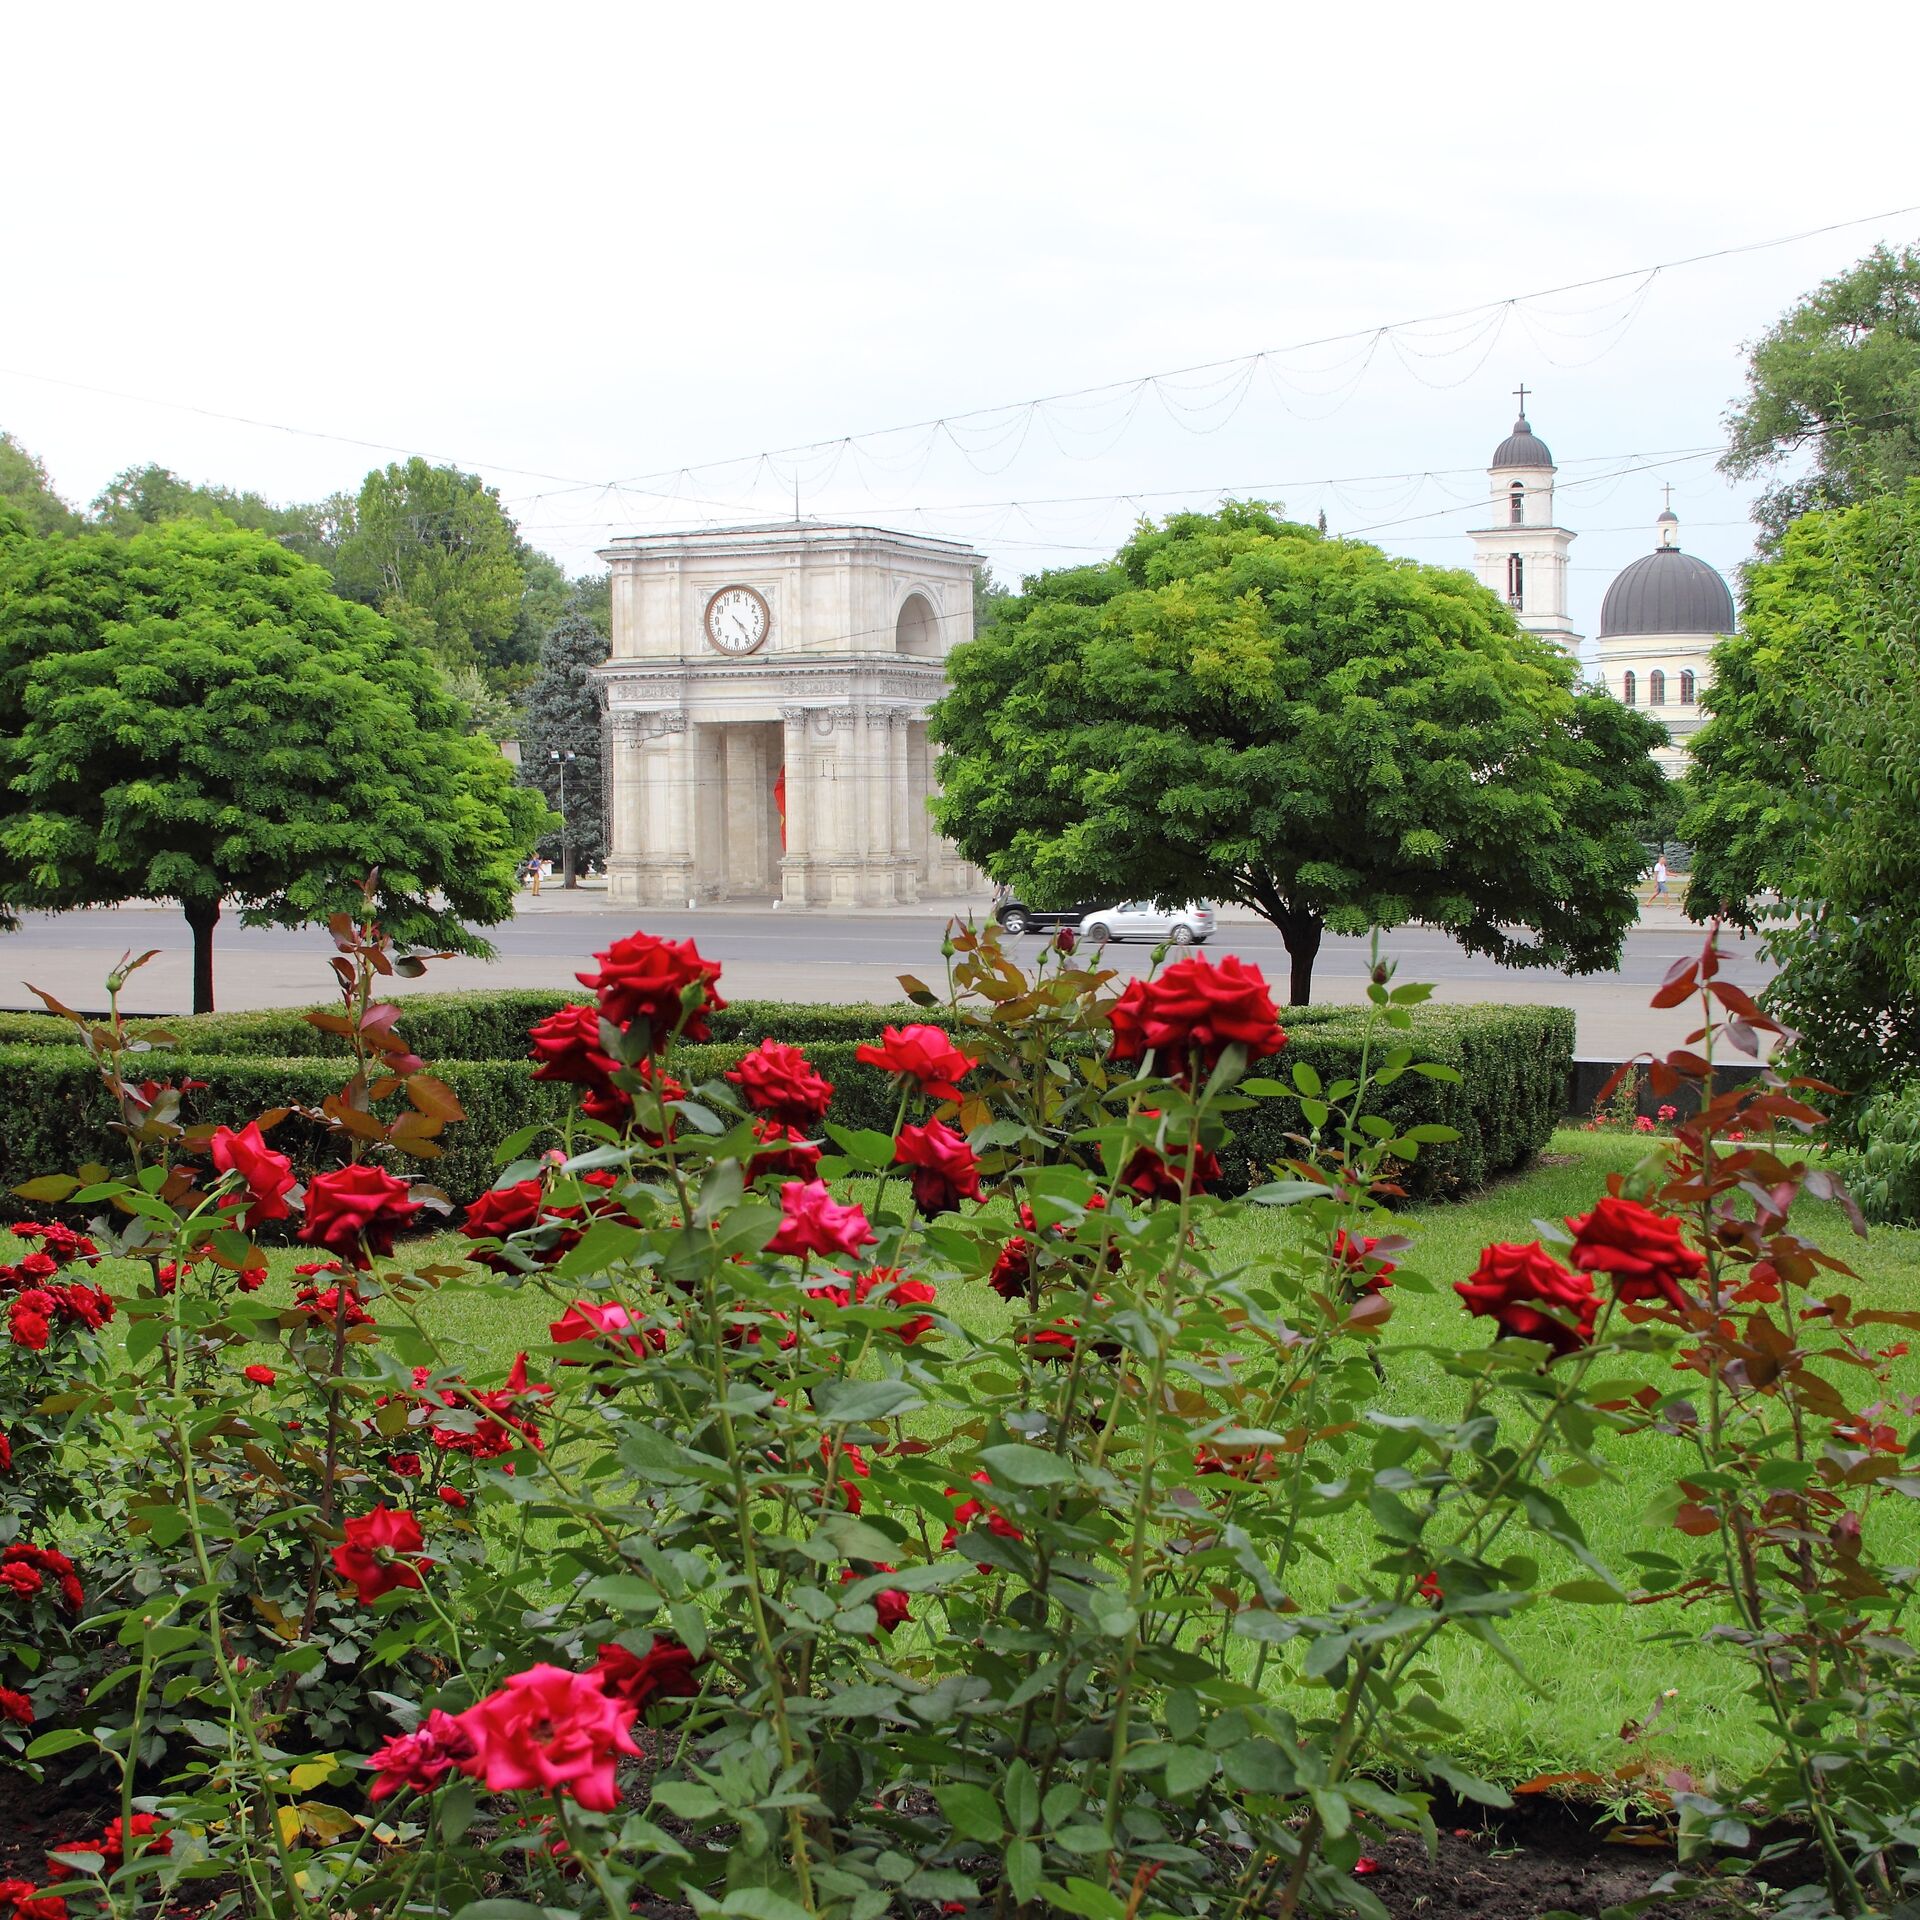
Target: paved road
(809, 956)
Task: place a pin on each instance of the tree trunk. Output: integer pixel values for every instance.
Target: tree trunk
(1303, 948)
(566, 862)
(201, 917)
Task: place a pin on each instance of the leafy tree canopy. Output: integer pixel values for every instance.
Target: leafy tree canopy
(192, 714)
(25, 487)
(562, 715)
(1838, 379)
(1804, 811)
(150, 496)
(1237, 707)
(435, 551)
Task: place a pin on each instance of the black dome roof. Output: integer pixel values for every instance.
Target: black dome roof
(1521, 448)
(1667, 591)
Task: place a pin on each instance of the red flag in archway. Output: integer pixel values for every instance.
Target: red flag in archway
(780, 804)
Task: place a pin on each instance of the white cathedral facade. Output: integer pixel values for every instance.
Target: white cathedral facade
(1661, 616)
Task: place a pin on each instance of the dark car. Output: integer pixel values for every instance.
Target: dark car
(1015, 916)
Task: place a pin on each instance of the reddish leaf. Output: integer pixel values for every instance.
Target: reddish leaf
(434, 1097)
(1676, 992)
(1695, 1521)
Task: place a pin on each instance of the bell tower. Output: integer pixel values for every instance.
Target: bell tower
(1521, 554)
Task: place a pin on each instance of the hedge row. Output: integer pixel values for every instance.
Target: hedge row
(1513, 1063)
(488, 1025)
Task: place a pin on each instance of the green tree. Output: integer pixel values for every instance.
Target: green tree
(192, 714)
(1804, 810)
(435, 551)
(1238, 707)
(1838, 380)
(562, 715)
(989, 596)
(25, 486)
(150, 496)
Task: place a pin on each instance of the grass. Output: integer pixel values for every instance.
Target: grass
(1592, 1669)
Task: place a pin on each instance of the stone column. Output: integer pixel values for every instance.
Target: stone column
(900, 801)
(626, 817)
(864, 813)
(800, 798)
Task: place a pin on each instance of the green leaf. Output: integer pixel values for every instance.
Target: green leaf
(854, 1539)
(58, 1741)
(688, 1799)
(1590, 1593)
(51, 1187)
(1306, 1079)
(1023, 1869)
(1014, 1464)
(970, 1810)
(844, 1403)
(869, 1151)
(502, 1910)
(604, 1244)
(517, 1142)
(762, 1903)
(1335, 1815)
(1083, 1897)
(1020, 1794)
(1188, 1769)
(622, 1593)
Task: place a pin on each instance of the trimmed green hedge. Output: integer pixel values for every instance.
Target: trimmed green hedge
(1513, 1063)
(489, 1025)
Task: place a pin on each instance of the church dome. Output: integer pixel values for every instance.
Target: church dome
(1667, 591)
(1521, 448)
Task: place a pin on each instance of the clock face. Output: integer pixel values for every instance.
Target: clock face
(737, 620)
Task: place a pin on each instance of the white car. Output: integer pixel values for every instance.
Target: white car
(1186, 926)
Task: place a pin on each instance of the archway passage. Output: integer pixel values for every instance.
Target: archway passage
(917, 631)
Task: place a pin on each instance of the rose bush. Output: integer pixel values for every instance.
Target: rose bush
(767, 1588)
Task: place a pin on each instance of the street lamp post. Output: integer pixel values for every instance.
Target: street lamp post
(563, 761)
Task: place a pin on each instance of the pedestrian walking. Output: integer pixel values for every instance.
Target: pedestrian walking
(533, 877)
(1660, 878)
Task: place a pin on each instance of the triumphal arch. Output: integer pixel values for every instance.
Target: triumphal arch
(766, 700)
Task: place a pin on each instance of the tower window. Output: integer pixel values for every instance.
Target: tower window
(1517, 504)
(1516, 581)
(1630, 688)
(1656, 688)
(1686, 687)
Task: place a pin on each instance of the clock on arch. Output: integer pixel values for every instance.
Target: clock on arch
(737, 621)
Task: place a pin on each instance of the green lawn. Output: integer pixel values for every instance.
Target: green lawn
(1593, 1667)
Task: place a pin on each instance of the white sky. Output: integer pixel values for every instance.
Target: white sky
(607, 242)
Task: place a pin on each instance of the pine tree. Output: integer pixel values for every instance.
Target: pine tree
(562, 715)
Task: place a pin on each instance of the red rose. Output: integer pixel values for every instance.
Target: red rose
(779, 1080)
(664, 1672)
(23, 1579)
(1012, 1269)
(644, 978)
(325, 1304)
(503, 1210)
(924, 1054)
(355, 1204)
(423, 1758)
(893, 1292)
(269, 1175)
(788, 1152)
(28, 1324)
(566, 1045)
(6, 1453)
(1643, 1253)
(1356, 1257)
(260, 1376)
(405, 1466)
(37, 1266)
(1192, 1013)
(945, 1171)
(967, 1511)
(17, 1902)
(1514, 1285)
(16, 1707)
(366, 1555)
(1157, 1174)
(111, 1845)
(890, 1605)
(592, 1320)
(59, 1242)
(812, 1222)
(453, 1496)
(550, 1731)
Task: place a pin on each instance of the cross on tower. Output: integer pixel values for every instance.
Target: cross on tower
(1521, 391)
(1667, 489)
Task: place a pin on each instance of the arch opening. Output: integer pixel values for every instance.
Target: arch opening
(917, 631)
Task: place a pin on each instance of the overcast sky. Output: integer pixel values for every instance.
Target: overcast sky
(605, 244)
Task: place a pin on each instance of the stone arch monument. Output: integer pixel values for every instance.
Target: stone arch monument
(766, 700)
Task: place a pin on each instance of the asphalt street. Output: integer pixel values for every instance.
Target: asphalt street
(769, 954)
